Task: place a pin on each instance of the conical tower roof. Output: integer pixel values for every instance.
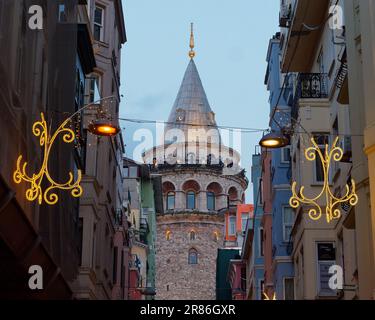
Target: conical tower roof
(191, 108)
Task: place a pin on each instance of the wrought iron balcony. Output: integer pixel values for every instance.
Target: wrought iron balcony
(309, 86)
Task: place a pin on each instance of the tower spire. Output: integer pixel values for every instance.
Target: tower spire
(192, 52)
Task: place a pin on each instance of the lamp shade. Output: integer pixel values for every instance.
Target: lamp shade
(103, 128)
(274, 140)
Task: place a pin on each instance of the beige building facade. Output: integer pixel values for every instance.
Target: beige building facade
(359, 90)
(315, 61)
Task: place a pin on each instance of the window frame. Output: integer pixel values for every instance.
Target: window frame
(283, 161)
(230, 219)
(262, 286)
(319, 263)
(260, 191)
(188, 193)
(212, 194)
(174, 200)
(261, 243)
(287, 224)
(195, 253)
(284, 292)
(192, 235)
(100, 25)
(244, 217)
(322, 149)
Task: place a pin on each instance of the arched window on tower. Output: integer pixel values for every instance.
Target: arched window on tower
(168, 235)
(192, 235)
(210, 201)
(190, 200)
(171, 200)
(191, 189)
(193, 256)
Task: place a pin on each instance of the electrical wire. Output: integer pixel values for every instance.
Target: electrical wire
(242, 129)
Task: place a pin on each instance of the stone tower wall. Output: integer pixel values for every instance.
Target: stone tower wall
(176, 279)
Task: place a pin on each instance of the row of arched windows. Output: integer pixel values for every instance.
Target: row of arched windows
(191, 189)
(191, 203)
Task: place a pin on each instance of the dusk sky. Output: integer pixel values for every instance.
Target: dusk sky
(231, 41)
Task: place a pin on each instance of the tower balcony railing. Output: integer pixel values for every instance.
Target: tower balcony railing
(309, 86)
(170, 166)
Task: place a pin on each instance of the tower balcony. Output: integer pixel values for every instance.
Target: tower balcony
(301, 39)
(309, 86)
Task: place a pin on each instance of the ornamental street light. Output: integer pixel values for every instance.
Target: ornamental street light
(103, 125)
(274, 140)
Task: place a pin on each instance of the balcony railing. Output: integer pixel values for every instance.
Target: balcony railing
(309, 86)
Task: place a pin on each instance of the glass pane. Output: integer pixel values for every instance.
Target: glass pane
(244, 221)
(210, 201)
(286, 154)
(170, 201)
(287, 231)
(319, 168)
(96, 32)
(133, 172)
(326, 251)
(190, 200)
(288, 215)
(193, 258)
(232, 225)
(289, 289)
(98, 15)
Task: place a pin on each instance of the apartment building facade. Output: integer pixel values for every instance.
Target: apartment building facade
(357, 91)
(46, 58)
(101, 206)
(252, 249)
(312, 47)
(281, 174)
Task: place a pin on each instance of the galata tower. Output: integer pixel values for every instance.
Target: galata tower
(202, 182)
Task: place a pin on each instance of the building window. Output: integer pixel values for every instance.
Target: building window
(171, 201)
(168, 235)
(98, 23)
(321, 141)
(133, 172)
(193, 256)
(190, 200)
(62, 14)
(326, 258)
(216, 236)
(232, 226)
(192, 235)
(261, 246)
(244, 218)
(288, 288)
(261, 289)
(285, 155)
(210, 201)
(288, 222)
(260, 192)
(115, 257)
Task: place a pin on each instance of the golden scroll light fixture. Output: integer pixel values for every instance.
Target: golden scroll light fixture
(102, 126)
(335, 153)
